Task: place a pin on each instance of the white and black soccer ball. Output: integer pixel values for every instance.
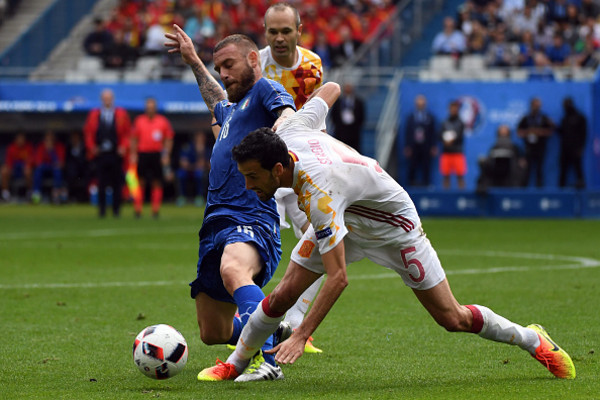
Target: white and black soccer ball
(160, 351)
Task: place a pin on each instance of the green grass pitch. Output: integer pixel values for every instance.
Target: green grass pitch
(75, 290)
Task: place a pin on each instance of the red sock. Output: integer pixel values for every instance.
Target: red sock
(138, 202)
(157, 195)
(267, 308)
(477, 324)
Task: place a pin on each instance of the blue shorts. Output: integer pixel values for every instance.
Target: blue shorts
(218, 233)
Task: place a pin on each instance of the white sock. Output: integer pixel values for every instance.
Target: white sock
(296, 314)
(499, 329)
(255, 333)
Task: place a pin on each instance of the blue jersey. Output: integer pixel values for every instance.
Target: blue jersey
(227, 192)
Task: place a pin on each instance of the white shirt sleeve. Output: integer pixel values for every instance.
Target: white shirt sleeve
(312, 115)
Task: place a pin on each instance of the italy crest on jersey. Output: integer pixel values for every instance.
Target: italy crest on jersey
(245, 104)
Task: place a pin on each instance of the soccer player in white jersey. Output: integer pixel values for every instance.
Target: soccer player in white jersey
(300, 71)
(356, 210)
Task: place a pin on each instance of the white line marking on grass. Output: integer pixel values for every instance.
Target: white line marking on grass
(576, 263)
(92, 233)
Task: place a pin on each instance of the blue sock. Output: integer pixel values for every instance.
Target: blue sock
(247, 299)
(237, 329)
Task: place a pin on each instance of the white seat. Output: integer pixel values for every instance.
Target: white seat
(147, 63)
(76, 76)
(135, 76)
(442, 63)
(472, 62)
(188, 76)
(427, 75)
(89, 64)
(519, 74)
(107, 76)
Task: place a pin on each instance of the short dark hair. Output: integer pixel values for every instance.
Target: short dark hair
(240, 41)
(280, 7)
(262, 145)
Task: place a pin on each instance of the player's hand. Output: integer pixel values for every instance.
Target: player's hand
(289, 351)
(181, 43)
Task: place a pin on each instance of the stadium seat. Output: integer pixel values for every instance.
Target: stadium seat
(89, 64)
(147, 63)
(519, 74)
(77, 76)
(472, 62)
(107, 76)
(442, 63)
(136, 76)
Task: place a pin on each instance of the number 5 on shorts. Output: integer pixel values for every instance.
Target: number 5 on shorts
(412, 261)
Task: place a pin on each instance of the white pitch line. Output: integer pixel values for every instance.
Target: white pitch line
(92, 233)
(579, 263)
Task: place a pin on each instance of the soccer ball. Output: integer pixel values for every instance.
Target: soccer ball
(160, 351)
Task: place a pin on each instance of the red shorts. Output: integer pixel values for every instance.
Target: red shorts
(453, 163)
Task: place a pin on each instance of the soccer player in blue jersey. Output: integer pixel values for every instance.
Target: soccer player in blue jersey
(239, 240)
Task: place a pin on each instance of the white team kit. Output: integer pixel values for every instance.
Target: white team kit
(349, 197)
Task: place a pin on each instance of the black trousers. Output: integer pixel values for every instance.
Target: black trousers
(109, 171)
(571, 161)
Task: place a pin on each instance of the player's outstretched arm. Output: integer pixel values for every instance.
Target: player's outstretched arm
(211, 91)
(335, 283)
(328, 92)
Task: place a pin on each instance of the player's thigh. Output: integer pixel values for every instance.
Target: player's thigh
(240, 263)
(214, 318)
(294, 282)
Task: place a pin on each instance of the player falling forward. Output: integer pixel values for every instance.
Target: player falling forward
(356, 211)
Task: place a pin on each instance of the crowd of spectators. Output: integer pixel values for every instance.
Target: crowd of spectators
(334, 29)
(524, 33)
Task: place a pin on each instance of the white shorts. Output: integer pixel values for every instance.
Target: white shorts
(414, 259)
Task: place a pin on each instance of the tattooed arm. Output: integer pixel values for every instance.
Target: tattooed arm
(282, 114)
(211, 91)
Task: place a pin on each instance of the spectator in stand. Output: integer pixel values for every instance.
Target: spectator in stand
(348, 117)
(154, 43)
(347, 47)
(151, 146)
(510, 8)
(194, 166)
(49, 162)
(98, 41)
(500, 52)
(559, 53)
(585, 55)
(119, 54)
(3, 10)
(478, 39)
(557, 11)
(535, 128)
(504, 164)
(77, 169)
(18, 164)
(106, 135)
(573, 134)
(323, 50)
(420, 143)
(525, 21)
(199, 26)
(452, 158)
(589, 9)
(527, 49)
(450, 40)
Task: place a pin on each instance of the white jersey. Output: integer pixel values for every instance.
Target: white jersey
(343, 192)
